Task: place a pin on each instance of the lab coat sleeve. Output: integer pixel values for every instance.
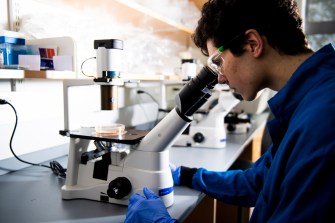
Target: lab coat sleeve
(234, 186)
(304, 183)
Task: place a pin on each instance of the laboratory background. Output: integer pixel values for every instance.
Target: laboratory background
(53, 55)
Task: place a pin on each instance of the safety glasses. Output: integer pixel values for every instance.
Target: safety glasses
(215, 62)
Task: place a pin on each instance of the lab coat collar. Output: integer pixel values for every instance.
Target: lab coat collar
(303, 79)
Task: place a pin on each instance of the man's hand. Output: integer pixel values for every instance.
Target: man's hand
(147, 209)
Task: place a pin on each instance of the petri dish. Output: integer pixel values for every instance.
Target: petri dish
(111, 129)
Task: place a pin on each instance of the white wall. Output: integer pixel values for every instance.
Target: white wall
(39, 110)
(3, 15)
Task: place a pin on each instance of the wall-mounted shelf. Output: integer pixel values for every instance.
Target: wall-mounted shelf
(155, 15)
(152, 77)
(59, 75)
(21, 74)
(199, 3)
(65, 46)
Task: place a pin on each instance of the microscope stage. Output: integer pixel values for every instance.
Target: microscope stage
(131, 136)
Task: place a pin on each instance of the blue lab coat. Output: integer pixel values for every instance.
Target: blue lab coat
(294, 181)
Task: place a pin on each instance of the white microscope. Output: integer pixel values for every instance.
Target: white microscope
(127, 160)
(208, 129)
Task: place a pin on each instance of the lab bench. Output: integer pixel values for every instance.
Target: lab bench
(33, 194)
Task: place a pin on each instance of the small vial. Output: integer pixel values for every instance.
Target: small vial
(1, 58)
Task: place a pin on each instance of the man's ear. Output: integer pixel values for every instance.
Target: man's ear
(254, 42)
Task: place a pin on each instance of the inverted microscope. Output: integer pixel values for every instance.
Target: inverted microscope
(126, 160)
(208, 128)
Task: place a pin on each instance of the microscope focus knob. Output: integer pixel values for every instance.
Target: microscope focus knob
(119, 188)
(198, 137)
(231, 127)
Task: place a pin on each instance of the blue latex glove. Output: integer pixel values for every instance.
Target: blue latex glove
(175, 171)
(147, 209)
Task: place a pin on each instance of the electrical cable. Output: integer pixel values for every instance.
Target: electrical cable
(82, 64)
(54, 165)
(159, 110)
(144, 92)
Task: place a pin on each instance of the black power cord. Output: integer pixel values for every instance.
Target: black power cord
(153, 99)
(54, 165)
(82, 64)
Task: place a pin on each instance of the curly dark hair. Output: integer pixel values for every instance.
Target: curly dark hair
(225, 21)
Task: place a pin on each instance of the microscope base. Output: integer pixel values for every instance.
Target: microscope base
(92, 180)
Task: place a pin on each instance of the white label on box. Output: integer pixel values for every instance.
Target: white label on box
(32, 61)
(63, 63)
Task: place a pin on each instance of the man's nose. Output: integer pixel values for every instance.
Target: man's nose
(222, 79)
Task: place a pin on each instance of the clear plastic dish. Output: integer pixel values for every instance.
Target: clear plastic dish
(111, 129)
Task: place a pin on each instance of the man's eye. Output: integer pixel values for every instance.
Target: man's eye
(217, 62)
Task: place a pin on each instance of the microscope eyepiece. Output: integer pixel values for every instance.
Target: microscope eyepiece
(196, 92)
(206, 78)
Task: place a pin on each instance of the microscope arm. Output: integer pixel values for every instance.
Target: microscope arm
(191, 97)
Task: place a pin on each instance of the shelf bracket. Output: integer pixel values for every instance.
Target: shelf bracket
(12, 85)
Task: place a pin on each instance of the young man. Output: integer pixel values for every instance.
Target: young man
(259, 44)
